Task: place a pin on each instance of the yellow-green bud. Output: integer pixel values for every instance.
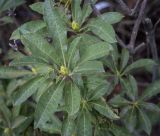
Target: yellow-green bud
(34, 71)
(7, 131)
(75, 26)
(64, 71)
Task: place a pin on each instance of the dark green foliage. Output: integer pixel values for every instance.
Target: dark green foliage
(66, 80)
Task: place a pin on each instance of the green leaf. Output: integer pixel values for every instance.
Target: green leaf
(28, 28)
(119, 131)
(72, 98)
(53, 126)
(7, 4)
(76, 10)
(84, 126)
(99, 91)
(68, 127)
(5, 112)
(124, 58)
(151, 91)
(27, 90)
(133, 92)
(119, 101)
(40, 48)
(102, 29)
(26, 61)
(102, 107)
(11, 72)
(57, 27)
(93, 81)
(130, 118)
(88, 39)
(37, 7)
(23, 124)
(86, 11)
(43, 88)
(142, 63)
(48, 104)
(112, 17)
(130, 87)
(150, 106)
(18, 121)
(145, 122)
(95, 51)
(89, 67)
(5, 20)
(72, 49)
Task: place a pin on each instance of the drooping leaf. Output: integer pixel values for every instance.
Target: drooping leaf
(72, 98)
(84, 126)
(102, 107)
(11, 72)
(48, 104)
(27, 90)
(103, 30)
(57, 27)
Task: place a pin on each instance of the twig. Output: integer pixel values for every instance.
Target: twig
(136, 26)
(156, 24)
(131, 44)
(140, 46)
(121, 43)
(95, 10)
(126, 9)
(134, 10)
(150, 34)
(124, 6)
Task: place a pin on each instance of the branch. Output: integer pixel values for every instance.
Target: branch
(156, 24)
(126, 9)
(150, 34)
(136, 26)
